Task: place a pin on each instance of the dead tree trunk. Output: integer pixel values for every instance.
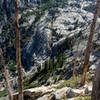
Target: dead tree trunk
(90, 43)
(75, 62)
(5, 76)
(18, 53)
(96, 85)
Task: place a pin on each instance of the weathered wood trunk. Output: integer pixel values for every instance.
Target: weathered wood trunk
(90, 43)
(5, 76)
(18, 53)
(96, 85)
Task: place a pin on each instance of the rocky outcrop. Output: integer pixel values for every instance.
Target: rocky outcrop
(69, 20)
(34, 94)
(51, 93)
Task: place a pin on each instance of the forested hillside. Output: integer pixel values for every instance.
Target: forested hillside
(49, 49)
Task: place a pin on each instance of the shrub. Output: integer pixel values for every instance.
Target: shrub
(3, 93)
(83, 98)
(12, 67)
(69, 83)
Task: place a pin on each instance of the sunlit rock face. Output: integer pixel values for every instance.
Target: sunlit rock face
(69, 19)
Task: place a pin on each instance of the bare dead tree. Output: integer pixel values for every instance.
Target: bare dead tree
(5, 76)
(90, 43)
(18, 53)
(96, 85)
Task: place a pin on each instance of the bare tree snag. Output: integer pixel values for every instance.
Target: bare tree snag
(96, 85)
(90, 43)
(18, 53)
(5, 76)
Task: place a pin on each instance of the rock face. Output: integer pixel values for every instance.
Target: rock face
(70, 19)
(70, 93)
(37, 93)
(46, 38)
(49, 33)
(47, 97)
(51, 93)
(7, 10)
(88, 89)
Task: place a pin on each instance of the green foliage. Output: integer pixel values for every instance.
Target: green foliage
(28, 86)
(12, 67)
(48, 83)
(55, 78)
(25, 15)
(39, 14)
(50, 3)
(2, 98)
(83, 98)
(88, 78)
(73, 82)
(69, 83)
(29, 13)
(26, 80)
(47, 5)
(61, 3)
(8, 34)
(61, 77)
(3, 93)
(42, 75)
(22, 20)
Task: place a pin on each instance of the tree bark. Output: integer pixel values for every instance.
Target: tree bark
(96, 85)
(74, 66)
(18, 53)
(5, 76)
(90, 43)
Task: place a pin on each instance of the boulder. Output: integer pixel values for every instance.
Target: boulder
(35, 93)
(70, 93)
(88, 90)
(60, 93)
(47, 97)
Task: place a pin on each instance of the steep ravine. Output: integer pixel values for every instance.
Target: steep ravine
(50, 42)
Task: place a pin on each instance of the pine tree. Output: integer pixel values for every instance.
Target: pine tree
(90, 43)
